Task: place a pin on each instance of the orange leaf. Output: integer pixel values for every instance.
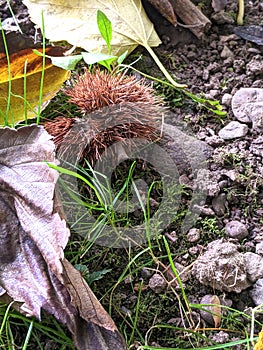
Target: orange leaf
(20, 83)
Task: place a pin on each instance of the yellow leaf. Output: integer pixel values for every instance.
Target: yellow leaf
(76, 22)
(259, 344)
(20, 88)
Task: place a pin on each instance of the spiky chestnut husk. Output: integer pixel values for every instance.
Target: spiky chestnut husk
(90, 136)
(115, 108)
(93, 91)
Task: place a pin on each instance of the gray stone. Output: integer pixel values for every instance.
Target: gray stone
(206, 182)
(247, 106)
(257, 292)
(157, 283)
(193, 235)
(226, 99)
(236, 229)
(220, 337)
(219, 204)
(256, 146)
(222, 267)
(254, 266)
(222, 17)
(259, 248)
(255, 66)
(233, 130)
(226, 53)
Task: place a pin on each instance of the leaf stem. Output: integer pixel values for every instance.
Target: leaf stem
(241, 11)
(163, 69)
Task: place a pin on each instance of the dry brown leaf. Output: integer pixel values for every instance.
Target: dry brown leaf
(165, 8)
(212, 309)
(24, 79)
(76, 22)
(33, 271)
(216, 310)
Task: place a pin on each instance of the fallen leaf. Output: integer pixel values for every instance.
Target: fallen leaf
(76, 22)
(211, 311)
(22, 83)
(253, 33)
(33, 271)
(165, 8)
(216, 310)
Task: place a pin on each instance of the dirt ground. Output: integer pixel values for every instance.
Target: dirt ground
(216, 67)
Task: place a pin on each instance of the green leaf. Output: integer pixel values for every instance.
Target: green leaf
(91, 277)
(105, 28)
(122, 57)
(66, 62)
(92, 58)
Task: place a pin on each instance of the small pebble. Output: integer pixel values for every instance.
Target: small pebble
(259, 248)
(233, 130)
(157, 283)
(219, 204)
(254, 266)
(236, 229)
(226, 99)
(193, 235)
(257, 292)
(226, 53)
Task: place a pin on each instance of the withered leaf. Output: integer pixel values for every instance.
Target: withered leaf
(33, 271)
(212, 312)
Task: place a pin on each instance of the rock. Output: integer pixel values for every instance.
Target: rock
(193, 235)
(233, 130)
(222, 267)
(226, 53)
(183, 272)
(206, 182)
(219, 204)
(236, 229)
(259, 248)
(222, 17)
(255, 66)
(254, 266)
(256, 146)
(257, 292)
(226, 99)
(220, 337)
(146, 273)
(247, 106)
(157, 283)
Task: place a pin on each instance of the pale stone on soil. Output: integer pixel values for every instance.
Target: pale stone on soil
(222, 267)
(247, 106)
(254, 266)
(233, 130)
(257, 292)
(236, 229)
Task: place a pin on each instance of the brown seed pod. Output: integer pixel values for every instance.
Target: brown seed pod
(91, 136)
(93, 91)
(115, 107)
